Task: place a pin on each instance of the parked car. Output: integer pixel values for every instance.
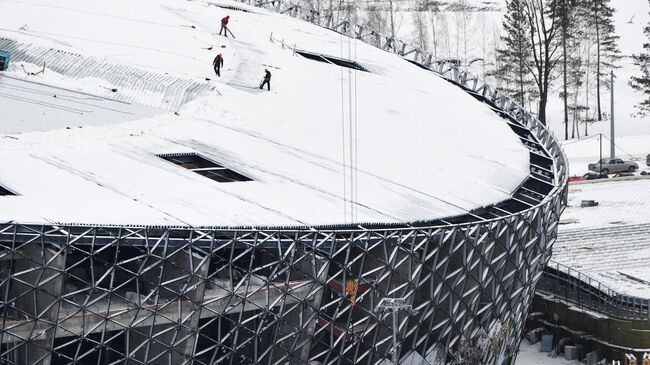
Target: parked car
(611, 165)
(647, 160)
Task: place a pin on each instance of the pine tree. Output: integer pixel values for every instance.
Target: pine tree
(515, 53)
(642, 82)
(607, 52)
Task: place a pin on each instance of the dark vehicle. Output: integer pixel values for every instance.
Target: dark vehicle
(588, 203)
(594, 176)
(611, 165)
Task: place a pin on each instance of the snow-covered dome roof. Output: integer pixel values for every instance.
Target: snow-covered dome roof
(327, 144)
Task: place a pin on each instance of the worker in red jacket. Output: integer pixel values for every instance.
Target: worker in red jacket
(218, 63)
(224, 25)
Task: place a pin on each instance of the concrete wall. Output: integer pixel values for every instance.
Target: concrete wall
(597, 331)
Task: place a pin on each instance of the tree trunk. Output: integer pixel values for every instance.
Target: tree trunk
(392, 21)
(576, 118)
(521, 86)
(587, 91)
(433, 34)
(542, 108)
(600, 114)
(564, 86)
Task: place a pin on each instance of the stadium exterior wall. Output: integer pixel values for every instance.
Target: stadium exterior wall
(273, 295)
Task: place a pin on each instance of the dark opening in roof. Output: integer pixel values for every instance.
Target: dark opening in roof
(204, 167)
(332, 60)
(231, 7)
(5, 191)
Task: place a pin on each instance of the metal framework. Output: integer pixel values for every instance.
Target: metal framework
(588, 293)
(167, 92)
(74, 294)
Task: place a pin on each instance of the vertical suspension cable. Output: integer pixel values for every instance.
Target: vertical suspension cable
(356, 139)
(351, 136)
(344, 156)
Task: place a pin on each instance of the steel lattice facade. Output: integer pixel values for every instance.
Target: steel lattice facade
(74, 294)
(145, 295)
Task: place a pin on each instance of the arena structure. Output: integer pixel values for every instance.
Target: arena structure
(232, 225)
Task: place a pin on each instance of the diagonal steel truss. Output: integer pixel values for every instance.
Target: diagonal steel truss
(97, 295)
(75, 294)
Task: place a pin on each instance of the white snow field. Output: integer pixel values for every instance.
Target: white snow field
(424, 149)
(530, 355)
(610, 242)
(625, 201)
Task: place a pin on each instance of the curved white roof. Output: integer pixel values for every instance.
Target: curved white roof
(424, 148)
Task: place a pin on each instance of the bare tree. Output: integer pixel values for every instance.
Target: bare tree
(420, 28)
(606, 43)
(433, 8)
(375, 19)
(544, 22)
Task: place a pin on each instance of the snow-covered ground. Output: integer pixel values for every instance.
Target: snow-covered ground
(423, 149)
(609, 242)
(582, 152)
(530, 355)
(620, 202)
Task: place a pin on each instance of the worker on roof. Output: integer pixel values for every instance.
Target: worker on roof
(267, 80)
(218, 63)
(224, 25)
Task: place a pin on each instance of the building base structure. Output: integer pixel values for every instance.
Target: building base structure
(162, 296)
(574, 305)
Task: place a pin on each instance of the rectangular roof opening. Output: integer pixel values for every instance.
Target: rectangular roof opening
(230, 7)
(203, 166)
(331, 60)
(5, 191)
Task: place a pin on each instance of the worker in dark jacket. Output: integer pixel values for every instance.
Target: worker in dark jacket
(267, 80)
(218, 63)
(224, 25)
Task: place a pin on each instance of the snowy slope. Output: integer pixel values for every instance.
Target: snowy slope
(425, 148)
